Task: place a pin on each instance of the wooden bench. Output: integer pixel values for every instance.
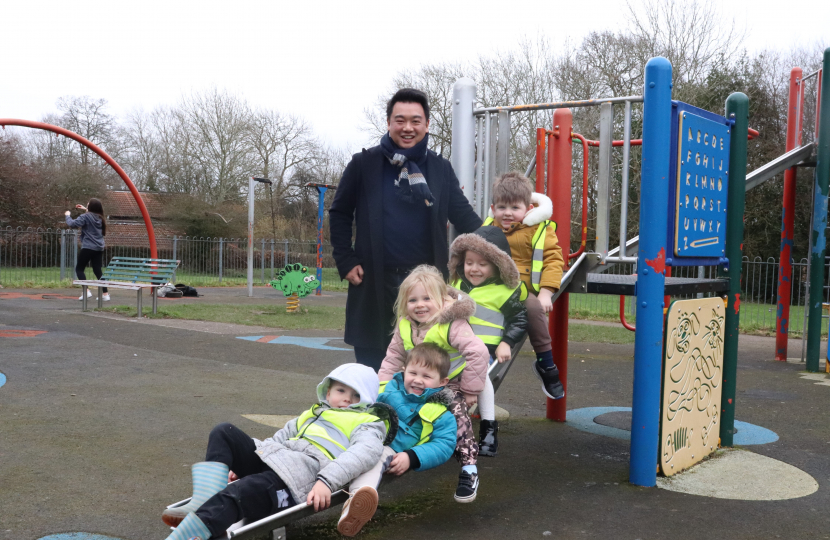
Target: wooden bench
(134, 274)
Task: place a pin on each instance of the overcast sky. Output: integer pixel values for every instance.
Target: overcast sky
(326, 61)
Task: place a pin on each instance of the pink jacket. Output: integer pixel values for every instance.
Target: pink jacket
(458, 312)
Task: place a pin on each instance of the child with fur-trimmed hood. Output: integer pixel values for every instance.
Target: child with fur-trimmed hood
(429, 311)
(481, 266)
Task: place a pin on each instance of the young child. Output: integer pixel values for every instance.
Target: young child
(430, 311)
(324, 449)
(480, 265)
(426, 432)
(535, 249)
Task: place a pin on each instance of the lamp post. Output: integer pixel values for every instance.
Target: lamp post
(321, 191)
(251, 185)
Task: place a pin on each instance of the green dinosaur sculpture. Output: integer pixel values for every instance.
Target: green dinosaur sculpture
(294, 278)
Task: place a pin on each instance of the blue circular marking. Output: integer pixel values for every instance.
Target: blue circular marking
(749, 434)
(2, 379)
(583, 420)
(78, 536)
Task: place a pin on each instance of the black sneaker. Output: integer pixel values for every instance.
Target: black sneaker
(551, 385)
(488, 438)
(467, 487)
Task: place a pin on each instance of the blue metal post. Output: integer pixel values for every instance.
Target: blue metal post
(321, 204)
(648, 340)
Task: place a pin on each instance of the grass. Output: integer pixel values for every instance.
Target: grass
(594, 333)
(268, 315)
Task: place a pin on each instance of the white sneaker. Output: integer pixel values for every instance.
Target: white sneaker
(357, 511)
(106, 297)
(88, 295)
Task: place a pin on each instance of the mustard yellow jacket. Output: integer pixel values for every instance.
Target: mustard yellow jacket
(520, 238)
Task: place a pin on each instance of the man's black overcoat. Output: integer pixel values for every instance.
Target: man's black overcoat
(358, 200)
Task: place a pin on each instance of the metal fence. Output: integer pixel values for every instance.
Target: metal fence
(43, 257)
(38, 256)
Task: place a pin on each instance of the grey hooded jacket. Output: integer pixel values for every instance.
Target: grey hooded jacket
(92, 236)
(300, 464)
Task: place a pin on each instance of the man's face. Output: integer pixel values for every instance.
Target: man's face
(407, 124)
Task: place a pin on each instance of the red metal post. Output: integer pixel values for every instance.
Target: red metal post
(541, 137)
(785, 272)
(559, 190)
(151, 236)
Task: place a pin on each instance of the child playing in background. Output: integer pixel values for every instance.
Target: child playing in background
(536, 252)
(480, 265)
(430, 311)
(425, 436)
(323, 450)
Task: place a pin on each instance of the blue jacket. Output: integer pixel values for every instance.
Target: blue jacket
(441, 444)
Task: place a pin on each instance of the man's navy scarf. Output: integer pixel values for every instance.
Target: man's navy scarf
(411, 184)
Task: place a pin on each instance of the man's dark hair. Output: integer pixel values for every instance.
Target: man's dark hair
(408, 95)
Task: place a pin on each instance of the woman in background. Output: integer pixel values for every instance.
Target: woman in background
(93, 227)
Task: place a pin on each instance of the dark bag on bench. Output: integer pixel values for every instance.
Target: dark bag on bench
(187, 290)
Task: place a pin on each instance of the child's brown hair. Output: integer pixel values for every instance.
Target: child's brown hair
(431, 356)
(512, 187)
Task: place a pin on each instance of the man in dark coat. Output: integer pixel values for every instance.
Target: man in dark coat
(399, 195)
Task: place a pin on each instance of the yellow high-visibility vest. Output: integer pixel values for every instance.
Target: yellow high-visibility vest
(439, 334)
(488, 320)
(428, 414)
(538, 245)
(331, 429)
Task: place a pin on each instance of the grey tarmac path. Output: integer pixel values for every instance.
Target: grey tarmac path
(108, 459)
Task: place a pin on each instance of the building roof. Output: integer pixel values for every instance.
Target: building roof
(121, 204)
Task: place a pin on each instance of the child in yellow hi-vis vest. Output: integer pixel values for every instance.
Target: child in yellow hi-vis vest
(329, 445)
(535, 249)
(430, 311)
(480, 265)
(426, 430)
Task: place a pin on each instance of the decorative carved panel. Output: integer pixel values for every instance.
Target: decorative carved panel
(692, 376)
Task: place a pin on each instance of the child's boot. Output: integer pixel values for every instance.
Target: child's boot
(190, 528)
(467, 484)
(357, 511)
(209, 478)
(488, 438)
(546, 370)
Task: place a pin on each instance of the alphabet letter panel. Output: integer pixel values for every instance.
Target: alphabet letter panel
(702, 177)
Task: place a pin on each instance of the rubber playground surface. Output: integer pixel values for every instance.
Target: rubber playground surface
(102, 416)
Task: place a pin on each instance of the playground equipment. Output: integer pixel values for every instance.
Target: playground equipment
(295, 283)
(103, 155)
(321, 202)
(659, 246)
(705, 226)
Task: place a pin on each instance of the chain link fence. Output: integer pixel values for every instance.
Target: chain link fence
(47, 257)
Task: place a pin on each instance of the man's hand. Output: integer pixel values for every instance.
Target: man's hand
(470, 399)
(544, 298)
(400, 464)
(503, 352)
(66, 213)
(319, 496)
(355, 275)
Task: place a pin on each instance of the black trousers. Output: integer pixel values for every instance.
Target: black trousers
(87, 256)
(259, 491)
(392, 279)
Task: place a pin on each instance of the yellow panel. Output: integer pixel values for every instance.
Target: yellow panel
(692, 376)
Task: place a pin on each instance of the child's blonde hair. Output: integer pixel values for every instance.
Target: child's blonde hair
(512, 187)
(430, 356)
(433, 283)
